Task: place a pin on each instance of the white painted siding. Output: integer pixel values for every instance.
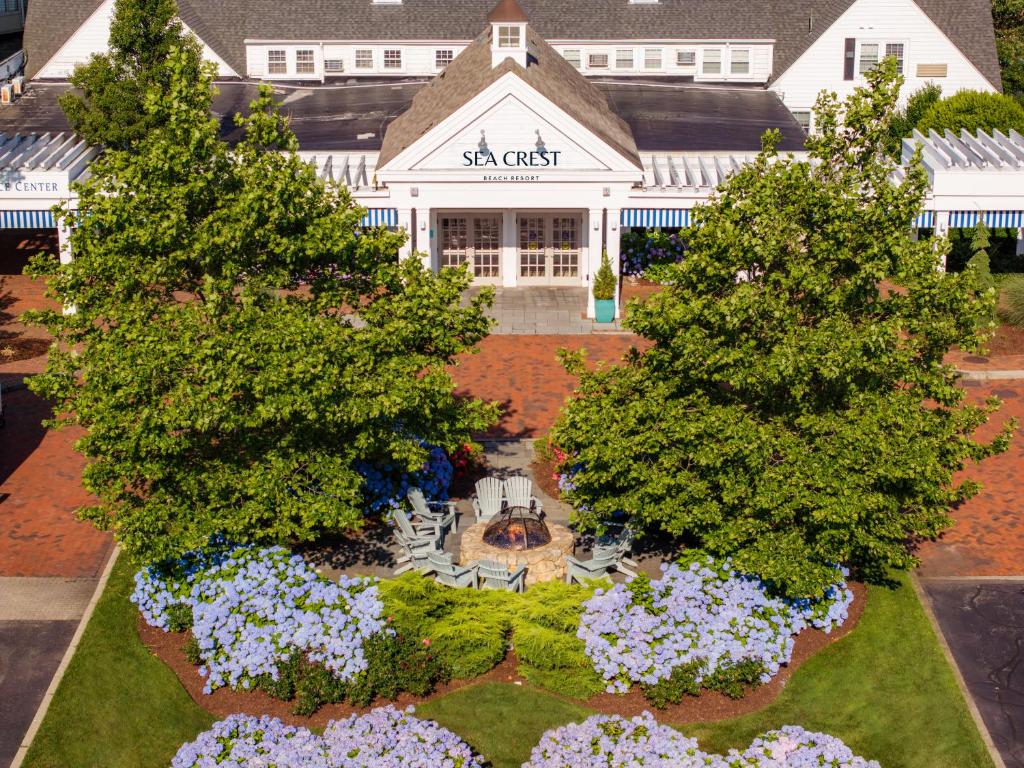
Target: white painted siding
(881, 21)
(93, 37)
(418, 59)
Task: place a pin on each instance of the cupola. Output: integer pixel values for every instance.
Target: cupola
(508, 33)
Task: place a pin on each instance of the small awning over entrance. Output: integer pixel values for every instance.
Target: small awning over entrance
(380, 217)
(655, 217)
(26, 220)
(992, 219)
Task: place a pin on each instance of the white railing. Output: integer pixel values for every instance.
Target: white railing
(12, 65)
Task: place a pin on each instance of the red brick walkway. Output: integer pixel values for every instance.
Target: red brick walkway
(522, 373)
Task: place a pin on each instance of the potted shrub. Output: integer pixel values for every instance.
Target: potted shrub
(604, 291)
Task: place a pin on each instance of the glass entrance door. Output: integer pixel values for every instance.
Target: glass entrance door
(549, 249)
(473, 240)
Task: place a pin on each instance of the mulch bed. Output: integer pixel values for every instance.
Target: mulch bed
(543, 473)
(709, 706)
(1008, 340)
(16, 349)
(637, 289)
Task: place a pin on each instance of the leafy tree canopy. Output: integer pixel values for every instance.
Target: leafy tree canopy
(1008, 18)
(213, 358)
(794, 411)
(905, 120)
(973, 110)
(107, 103)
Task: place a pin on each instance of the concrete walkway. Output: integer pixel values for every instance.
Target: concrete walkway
(540, 310)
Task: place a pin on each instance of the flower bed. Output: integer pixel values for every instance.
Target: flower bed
(704, 626)
(386, 484)
(642, 250)
(383, 737)
(605, 741)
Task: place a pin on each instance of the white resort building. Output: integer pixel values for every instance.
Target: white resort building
(526, 149)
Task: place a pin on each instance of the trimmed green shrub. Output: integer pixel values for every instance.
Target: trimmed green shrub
(179, 617)
(973, 110)
(604, 280)
(191, 650)
(397, 663)
(684, 681)
(1012, 311)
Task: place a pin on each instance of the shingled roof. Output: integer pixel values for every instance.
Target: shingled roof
(224, 25)
(471, 72)
(48, 25)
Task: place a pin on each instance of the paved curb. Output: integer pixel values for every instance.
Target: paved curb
(44, 706)
(986, 737)
(989, 375)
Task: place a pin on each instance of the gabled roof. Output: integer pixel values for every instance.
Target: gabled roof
(224, 25)
(471, 72)
(967, 23)
(48, 25)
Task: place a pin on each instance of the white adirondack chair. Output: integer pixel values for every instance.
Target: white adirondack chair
(488, 498)
(594, 568)
(448, 573)
(439, 513)
(415, 531)
(494, 575)
(519, 493)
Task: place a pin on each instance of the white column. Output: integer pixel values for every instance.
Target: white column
(64, 240)
(595, 244)
(942, 230)
(1020, 241)
(405, 222)
(614, 236)
(66, 256)
(429, 246)
(509, 250)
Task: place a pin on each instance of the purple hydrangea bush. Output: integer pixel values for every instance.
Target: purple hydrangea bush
(382, 738)
(394, 738)
(254, 608)
(642, 250)
(610, 741)
(386, 484)
(241, 741)
(793, 747)
(705, 614)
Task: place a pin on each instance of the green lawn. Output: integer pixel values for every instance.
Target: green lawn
(885, 690)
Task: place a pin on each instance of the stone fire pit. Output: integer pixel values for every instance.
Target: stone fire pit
(543, 563)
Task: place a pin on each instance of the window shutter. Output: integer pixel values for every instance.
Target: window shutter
(848, 58)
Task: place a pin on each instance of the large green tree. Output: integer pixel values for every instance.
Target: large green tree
(236, 345)
(107, 102)
(794, 411)
(973, 111)
(1008, 19)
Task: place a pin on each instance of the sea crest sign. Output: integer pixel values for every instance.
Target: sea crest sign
(484, 157)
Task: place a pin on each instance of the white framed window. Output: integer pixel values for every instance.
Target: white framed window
(305, 64)
(334, 65)
(443, 57)
(624, 58)
(868, 57)
(597, 61)
(895, 50)
(686, 58)
(803, 117)
(652, 58)
(572, 55)
(364, 58)
(392, 58)
(509, 37)
(739, 61)
(277, 62)
(711, 61)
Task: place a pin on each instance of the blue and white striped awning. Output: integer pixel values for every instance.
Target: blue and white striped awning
(380, 217)
(655, 217)
(993, 219)
(925, 220)
(26, 220)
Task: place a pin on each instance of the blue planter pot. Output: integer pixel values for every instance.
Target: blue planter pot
(604, 309)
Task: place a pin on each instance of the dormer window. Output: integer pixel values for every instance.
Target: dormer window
(509, 36)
